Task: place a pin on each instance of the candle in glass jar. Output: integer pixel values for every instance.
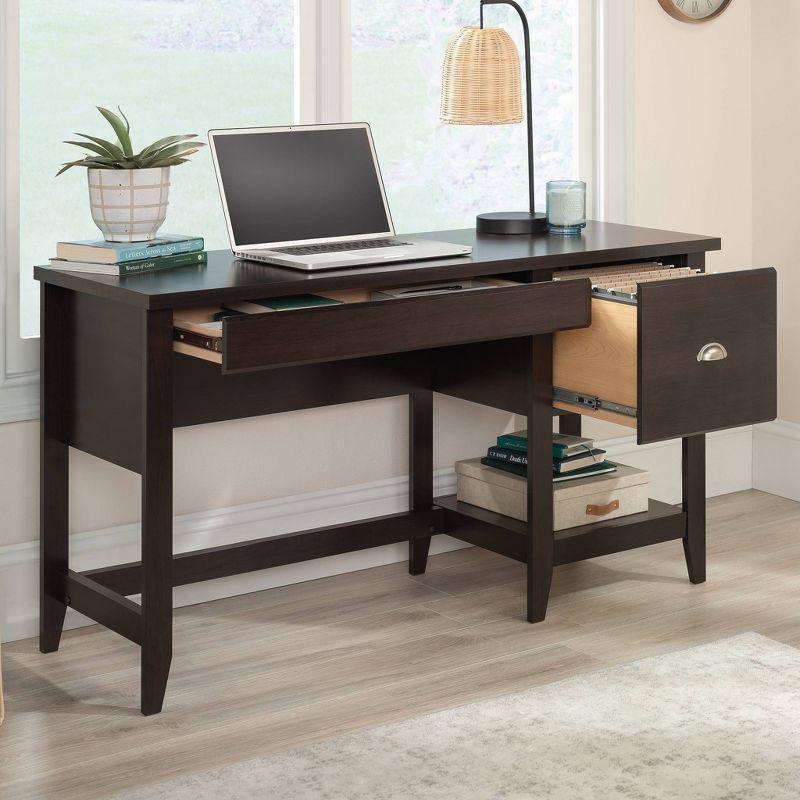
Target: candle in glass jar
(566, 206)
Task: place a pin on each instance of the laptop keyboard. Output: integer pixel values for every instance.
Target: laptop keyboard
(338, 247)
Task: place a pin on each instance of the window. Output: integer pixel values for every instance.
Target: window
(440, 176)
(175, 66)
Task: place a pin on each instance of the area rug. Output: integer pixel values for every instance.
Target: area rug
(717, 721)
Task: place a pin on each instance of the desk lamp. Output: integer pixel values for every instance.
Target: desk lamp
(481, 86)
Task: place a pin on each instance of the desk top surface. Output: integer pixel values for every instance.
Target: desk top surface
(227, 279)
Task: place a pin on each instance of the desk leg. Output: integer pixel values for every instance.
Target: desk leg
(420, 471)
(156, 509)
(694, 504)
(54, 466)
(540, 476)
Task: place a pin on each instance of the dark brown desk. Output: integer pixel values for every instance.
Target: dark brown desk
(113, 386)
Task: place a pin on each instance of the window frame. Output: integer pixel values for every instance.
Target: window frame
(19, 358)
(603, 47)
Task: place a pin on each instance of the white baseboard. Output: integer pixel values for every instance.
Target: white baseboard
(729, 470)
(776, 458)
(729, 462)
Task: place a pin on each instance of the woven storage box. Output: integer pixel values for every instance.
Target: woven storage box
(577, 502)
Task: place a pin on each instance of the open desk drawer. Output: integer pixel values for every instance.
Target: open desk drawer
(368, 328)
(690, 355)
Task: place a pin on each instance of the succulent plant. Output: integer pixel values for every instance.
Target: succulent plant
(166, 152)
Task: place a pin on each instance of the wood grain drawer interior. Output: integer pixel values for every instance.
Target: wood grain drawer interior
(641, 362)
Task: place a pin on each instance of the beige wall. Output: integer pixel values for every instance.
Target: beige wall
(692, 127)
(776, 178)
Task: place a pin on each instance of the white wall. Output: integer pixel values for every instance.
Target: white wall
(776, 178)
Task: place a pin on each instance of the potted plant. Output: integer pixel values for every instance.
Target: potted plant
(129, 192)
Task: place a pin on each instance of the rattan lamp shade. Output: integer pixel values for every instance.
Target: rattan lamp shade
(481, 78)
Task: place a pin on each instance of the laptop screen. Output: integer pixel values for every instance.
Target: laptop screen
(296, 185)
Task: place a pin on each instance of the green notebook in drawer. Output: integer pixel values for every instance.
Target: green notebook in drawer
(282, 303)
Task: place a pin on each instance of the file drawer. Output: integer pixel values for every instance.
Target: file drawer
(368, 328)
(686, 356)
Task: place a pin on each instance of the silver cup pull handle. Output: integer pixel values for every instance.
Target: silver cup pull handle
(713, 351)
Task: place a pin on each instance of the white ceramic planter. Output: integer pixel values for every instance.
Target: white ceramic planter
(129, 205)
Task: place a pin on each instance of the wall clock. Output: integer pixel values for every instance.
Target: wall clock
(694, 10)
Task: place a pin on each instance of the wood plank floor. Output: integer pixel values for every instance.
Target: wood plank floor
(289, 666)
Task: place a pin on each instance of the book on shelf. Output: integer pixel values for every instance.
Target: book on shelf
(282, 303)
(578, 461)
(509, 455)
(505, 466)
(563, 444)
(514, 441)
(126, 268)
(585, 472)
(99, 251)
(560, 465)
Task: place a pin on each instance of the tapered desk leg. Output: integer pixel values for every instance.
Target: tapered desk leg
(420, 471)
(54, 466)
(540, 476)
(156, 509)
(694, 504)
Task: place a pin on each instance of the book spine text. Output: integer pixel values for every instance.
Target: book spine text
(165, 262)
(513, 443)
(139, 252)
(512, 457)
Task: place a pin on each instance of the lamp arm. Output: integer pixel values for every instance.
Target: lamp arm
(528, 92)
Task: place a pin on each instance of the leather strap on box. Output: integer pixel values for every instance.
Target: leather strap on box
(601, 511)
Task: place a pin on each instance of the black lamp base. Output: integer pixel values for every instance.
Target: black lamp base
(511, 222)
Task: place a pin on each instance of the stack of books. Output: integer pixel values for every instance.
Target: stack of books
(130, 258)
(573, 456)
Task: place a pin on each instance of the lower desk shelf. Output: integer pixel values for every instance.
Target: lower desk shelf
(506, 536)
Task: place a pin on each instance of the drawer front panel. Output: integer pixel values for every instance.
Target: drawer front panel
(681, 394)
(331, 333)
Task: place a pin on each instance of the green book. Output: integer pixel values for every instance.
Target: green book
(586, 472)
(514, 441)
(99, 251)
(506, 466)
(131, 267)
(586, 458)
(516, 469)
(564, 445)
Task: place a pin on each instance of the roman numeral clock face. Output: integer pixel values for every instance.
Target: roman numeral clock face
(694, 10)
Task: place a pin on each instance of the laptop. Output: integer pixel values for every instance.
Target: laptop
(310, 197)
